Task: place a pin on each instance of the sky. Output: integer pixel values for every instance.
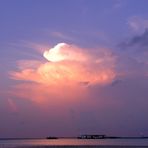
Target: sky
(72, 67)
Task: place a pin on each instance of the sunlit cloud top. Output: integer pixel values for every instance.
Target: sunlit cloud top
(63, 51)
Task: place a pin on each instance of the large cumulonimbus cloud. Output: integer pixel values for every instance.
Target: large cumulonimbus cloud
(68, 63)
(67, 66)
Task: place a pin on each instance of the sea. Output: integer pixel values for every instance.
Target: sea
(25, 143)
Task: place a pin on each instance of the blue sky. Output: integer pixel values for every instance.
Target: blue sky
(105, 54)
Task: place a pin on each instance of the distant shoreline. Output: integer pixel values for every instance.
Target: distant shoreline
(107, 137)
(86, 146)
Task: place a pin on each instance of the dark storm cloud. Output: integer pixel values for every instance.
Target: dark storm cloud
(133, 55)
(136, 41)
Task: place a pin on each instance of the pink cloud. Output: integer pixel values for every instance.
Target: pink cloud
(68, 70)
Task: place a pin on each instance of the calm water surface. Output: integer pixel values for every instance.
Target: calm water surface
(51, 142)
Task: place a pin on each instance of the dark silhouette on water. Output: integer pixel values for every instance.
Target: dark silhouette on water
(91, 137)
(51, 137)
(108, 137)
